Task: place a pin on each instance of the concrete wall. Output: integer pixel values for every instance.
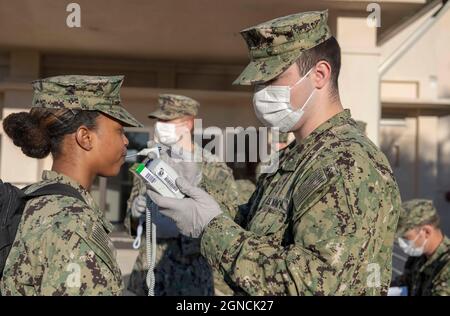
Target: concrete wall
(398, 142)
(443, 173)
(359, 81)
(428, 156)
(422, 73)
(426, 65)
(418, 149)
(22, 66)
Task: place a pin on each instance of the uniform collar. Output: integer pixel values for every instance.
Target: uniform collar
(53, 176)
(441, 249)
(296, 151)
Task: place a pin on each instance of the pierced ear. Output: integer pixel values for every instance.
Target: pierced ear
(83, 137)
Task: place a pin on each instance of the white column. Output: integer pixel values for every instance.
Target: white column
(359, 79)
(428, 156)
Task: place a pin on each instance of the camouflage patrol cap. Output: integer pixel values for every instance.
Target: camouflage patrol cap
(88, 93)
(277, 44)
(173, 106)
(413, 214)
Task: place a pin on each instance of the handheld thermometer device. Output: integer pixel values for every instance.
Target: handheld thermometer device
(158, 174)
(160, 177)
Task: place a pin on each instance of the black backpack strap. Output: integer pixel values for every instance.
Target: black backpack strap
(56, 189)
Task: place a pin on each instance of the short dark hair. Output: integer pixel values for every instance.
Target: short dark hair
(329, 51)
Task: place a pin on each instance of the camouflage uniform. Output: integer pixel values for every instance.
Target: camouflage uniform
(323, 223)
(62, 245)
(362, 126)
(424, 276)
(180, 269)
(283, 138)
(245, 189)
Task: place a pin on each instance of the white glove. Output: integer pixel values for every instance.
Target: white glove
(398, 291)
(190, 170)
(138, 206)
(191, 214)
(166, 228)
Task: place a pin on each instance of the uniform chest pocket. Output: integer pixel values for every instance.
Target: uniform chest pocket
(271, 218)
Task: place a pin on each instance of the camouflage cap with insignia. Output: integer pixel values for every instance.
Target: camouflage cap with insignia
(277, 44)
(79, 92)
(173, 106)
(413, 214)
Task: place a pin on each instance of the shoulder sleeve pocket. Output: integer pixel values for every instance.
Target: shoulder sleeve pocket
(97, 238)
(313, 187)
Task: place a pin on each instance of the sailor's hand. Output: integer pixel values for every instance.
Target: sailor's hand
(138, 206)
(191, 214)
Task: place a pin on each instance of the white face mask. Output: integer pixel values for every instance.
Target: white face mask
(166, 133)
(409, 247)
(273, 106)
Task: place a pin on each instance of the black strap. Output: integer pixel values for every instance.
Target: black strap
(56, 189)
